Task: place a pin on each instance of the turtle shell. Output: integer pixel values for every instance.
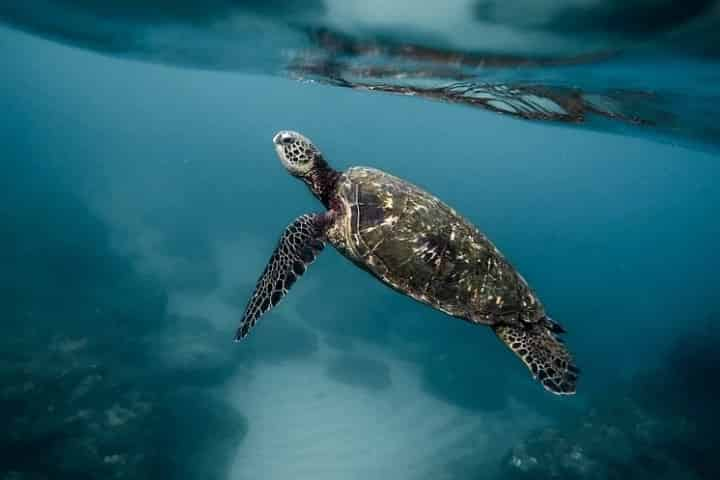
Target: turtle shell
(419, 246)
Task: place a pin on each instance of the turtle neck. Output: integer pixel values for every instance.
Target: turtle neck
(321, 181)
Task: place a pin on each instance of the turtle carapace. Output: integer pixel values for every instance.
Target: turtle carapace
(417, 245)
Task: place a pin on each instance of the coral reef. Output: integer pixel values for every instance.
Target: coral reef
(83, 391)
(660, 425)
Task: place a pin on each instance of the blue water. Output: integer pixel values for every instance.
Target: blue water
(140, 202)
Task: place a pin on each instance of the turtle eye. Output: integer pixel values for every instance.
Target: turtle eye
(287, 140)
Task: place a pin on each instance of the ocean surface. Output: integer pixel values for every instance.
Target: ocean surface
(140, 198)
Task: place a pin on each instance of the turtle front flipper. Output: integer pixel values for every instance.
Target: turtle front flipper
(543, 352)
(299, 245)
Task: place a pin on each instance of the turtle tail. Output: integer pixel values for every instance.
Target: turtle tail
(543, 352)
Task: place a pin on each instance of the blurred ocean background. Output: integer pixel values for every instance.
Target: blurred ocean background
(140, 198)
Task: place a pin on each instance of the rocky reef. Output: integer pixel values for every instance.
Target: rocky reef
(83, 391)
(661, 425)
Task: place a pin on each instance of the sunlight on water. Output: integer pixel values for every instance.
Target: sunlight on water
(474, 52)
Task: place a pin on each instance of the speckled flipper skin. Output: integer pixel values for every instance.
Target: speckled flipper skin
(299, 245)
(538, 346)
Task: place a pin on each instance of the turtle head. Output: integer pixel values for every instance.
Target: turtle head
(297, 153)
(303, 160)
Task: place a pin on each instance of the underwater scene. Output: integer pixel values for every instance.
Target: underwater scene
(549, 310)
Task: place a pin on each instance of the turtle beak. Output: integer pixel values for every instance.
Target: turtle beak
(276, 138)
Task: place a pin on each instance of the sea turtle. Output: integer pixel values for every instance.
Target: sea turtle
(417, 245)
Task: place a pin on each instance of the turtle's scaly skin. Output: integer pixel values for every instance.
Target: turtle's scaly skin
(421, 247)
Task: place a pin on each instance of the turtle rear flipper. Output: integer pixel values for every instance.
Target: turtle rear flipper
(543, 352)
(298, 247)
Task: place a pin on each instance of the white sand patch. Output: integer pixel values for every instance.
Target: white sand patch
(117, 416)
(305, 425)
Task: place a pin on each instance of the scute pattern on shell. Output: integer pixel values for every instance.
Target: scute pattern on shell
(298, 247)
(419, 246)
